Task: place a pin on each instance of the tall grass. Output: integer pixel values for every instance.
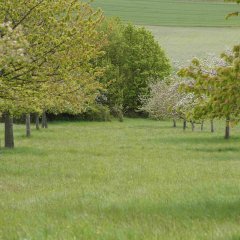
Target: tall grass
(139, 179)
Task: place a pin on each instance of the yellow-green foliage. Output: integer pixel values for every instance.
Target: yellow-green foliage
(216, 87)
(56, 43)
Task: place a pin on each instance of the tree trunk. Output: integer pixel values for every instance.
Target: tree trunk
(184, 124)
(37, 121)
(120, 116)
(28, 125)
(212, 126)
(118, 109)
(44, 120)
(8, 123)
(193, 126)
(227, 130)
(202, 125)
(174, 123)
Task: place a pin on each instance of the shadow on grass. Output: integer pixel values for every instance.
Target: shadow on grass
(24, 151)
(211, 210)
(155, 127)
(219, 149)
(235, 237)
(189, 139)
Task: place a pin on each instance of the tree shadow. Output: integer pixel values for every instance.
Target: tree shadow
(211, 210)
(151, 127)
(24, 151)
(217, 149)
(189, 139)
(235, 237)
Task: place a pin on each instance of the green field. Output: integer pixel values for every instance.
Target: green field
(183, 43)
(175, 24)
(140, 179)
(171, 13)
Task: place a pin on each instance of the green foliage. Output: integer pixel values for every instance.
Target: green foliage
(14, 60)
(216, 88)
(133, 59)
(97, 112)
(53, 70)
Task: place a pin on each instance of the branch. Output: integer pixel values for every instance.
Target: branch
(27, 14)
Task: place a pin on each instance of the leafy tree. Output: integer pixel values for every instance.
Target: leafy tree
(220, 86)
(167, 102)
(56, 43)
(133, 59)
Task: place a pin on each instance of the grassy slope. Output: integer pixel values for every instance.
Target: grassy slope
(170, 13)
(171, 18)
(183, 43)
(137, 180)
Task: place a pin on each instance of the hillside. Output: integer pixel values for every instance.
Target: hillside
(185, 29)
(183, 43)
(171, 13)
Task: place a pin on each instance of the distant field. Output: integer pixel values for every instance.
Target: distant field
(171, 13)
(185, 29)
(183, 43)
(137, 180)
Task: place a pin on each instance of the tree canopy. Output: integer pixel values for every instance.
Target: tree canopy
(133, 59)
(216, 87)
(49, 49)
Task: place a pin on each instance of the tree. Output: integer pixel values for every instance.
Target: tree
(55, 43)
(13, 55)
(233, 14)
(163, 99)
(217, 88)
(133, 59)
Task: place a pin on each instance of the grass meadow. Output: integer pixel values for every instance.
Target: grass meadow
(137, 180)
